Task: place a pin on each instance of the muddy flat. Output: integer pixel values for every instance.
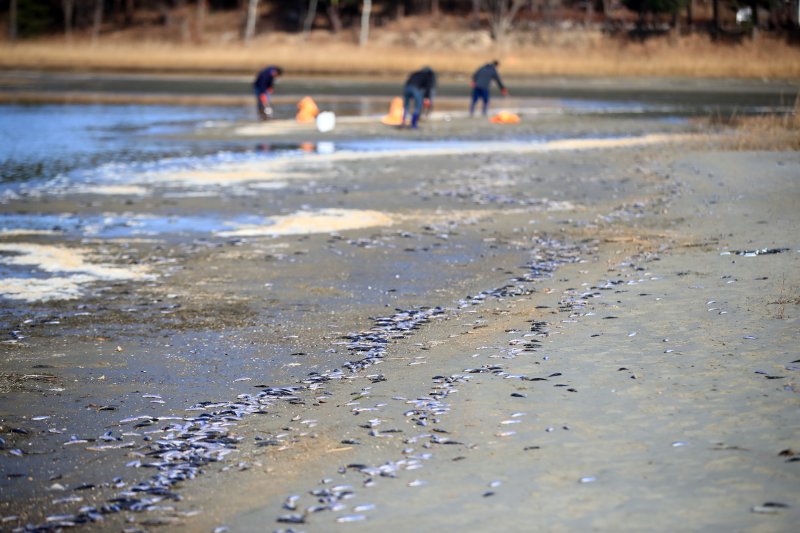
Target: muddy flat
(584, 321)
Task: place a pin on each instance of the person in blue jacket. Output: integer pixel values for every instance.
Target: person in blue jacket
(263, 89)
(420, 87)
(481, 81)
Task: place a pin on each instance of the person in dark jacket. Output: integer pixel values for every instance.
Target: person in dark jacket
(481, 81)
(420, 87)
(262, 86)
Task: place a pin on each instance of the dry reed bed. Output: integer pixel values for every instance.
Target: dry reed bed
(763, 132)
(690, 57)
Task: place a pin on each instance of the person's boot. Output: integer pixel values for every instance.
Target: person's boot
(414, 120)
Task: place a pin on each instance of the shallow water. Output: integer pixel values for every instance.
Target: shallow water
(57, 139)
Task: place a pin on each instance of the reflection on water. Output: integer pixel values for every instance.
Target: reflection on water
(125, 225)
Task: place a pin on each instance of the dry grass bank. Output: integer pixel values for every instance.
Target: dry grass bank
(589, 55)
(765, 132)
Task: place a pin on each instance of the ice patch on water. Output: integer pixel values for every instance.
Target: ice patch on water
(25, 232)
(71, 269)
(121, 190)
(306, 222)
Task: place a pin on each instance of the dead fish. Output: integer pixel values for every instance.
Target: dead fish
(351, 518)
(292, 519)
(364, 507)
(291, 502)
(769, 507)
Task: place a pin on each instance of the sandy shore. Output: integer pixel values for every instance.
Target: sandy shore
(572, 338)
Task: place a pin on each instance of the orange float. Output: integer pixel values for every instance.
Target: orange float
(504, 117)
(395, 116)
(307, 110)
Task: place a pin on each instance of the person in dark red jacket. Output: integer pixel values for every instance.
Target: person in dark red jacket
(263, 89)
(481, 81)
(420, 87)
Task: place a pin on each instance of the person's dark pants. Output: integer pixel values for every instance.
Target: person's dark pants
(412, 93)
(263, 105)
(479, 93)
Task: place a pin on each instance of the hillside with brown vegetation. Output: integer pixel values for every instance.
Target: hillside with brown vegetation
(568, 42)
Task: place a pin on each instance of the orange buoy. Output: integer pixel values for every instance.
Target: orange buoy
(307, 110)
(504, 117)
(395, 116)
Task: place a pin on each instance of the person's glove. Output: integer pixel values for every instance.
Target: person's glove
(269, 90)
(472, 85)
(426, 103)
(504, 92)
(263, 98)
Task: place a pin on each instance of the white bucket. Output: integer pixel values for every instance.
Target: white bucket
(326, 121)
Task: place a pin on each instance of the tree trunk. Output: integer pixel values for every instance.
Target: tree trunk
(754, 20)
(13, 20)
(129, 10)
(366, 9)
(476, 14)
(250, 21)
(333, 14)
(715, 7)
(69, 13)
(310, 16)
(690, 15)
(435, 7)
(97, 21)
(200, 19)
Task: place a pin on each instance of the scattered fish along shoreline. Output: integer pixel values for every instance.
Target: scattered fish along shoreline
(616, 361)
(180, 449)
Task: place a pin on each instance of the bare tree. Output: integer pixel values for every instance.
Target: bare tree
(501, 16)
(333, 14)
(129, 10)
(754, 22)
(476, 13)
(13, 20)
(250, 21)
(200, 19)
(310, 16)
(68, 6)
(366, 9)
(97, 21)
(690, 14)
(435, 7)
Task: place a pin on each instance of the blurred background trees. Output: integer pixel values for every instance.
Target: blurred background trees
(190, 20)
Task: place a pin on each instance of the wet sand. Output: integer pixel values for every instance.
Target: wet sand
(569, 341)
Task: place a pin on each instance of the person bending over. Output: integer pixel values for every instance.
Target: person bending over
(420, 87)
(263, 89)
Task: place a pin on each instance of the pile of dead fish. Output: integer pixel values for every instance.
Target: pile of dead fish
(179, 450)
(548, 255)
(372, 343)
(425, 411)
(760, 251)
